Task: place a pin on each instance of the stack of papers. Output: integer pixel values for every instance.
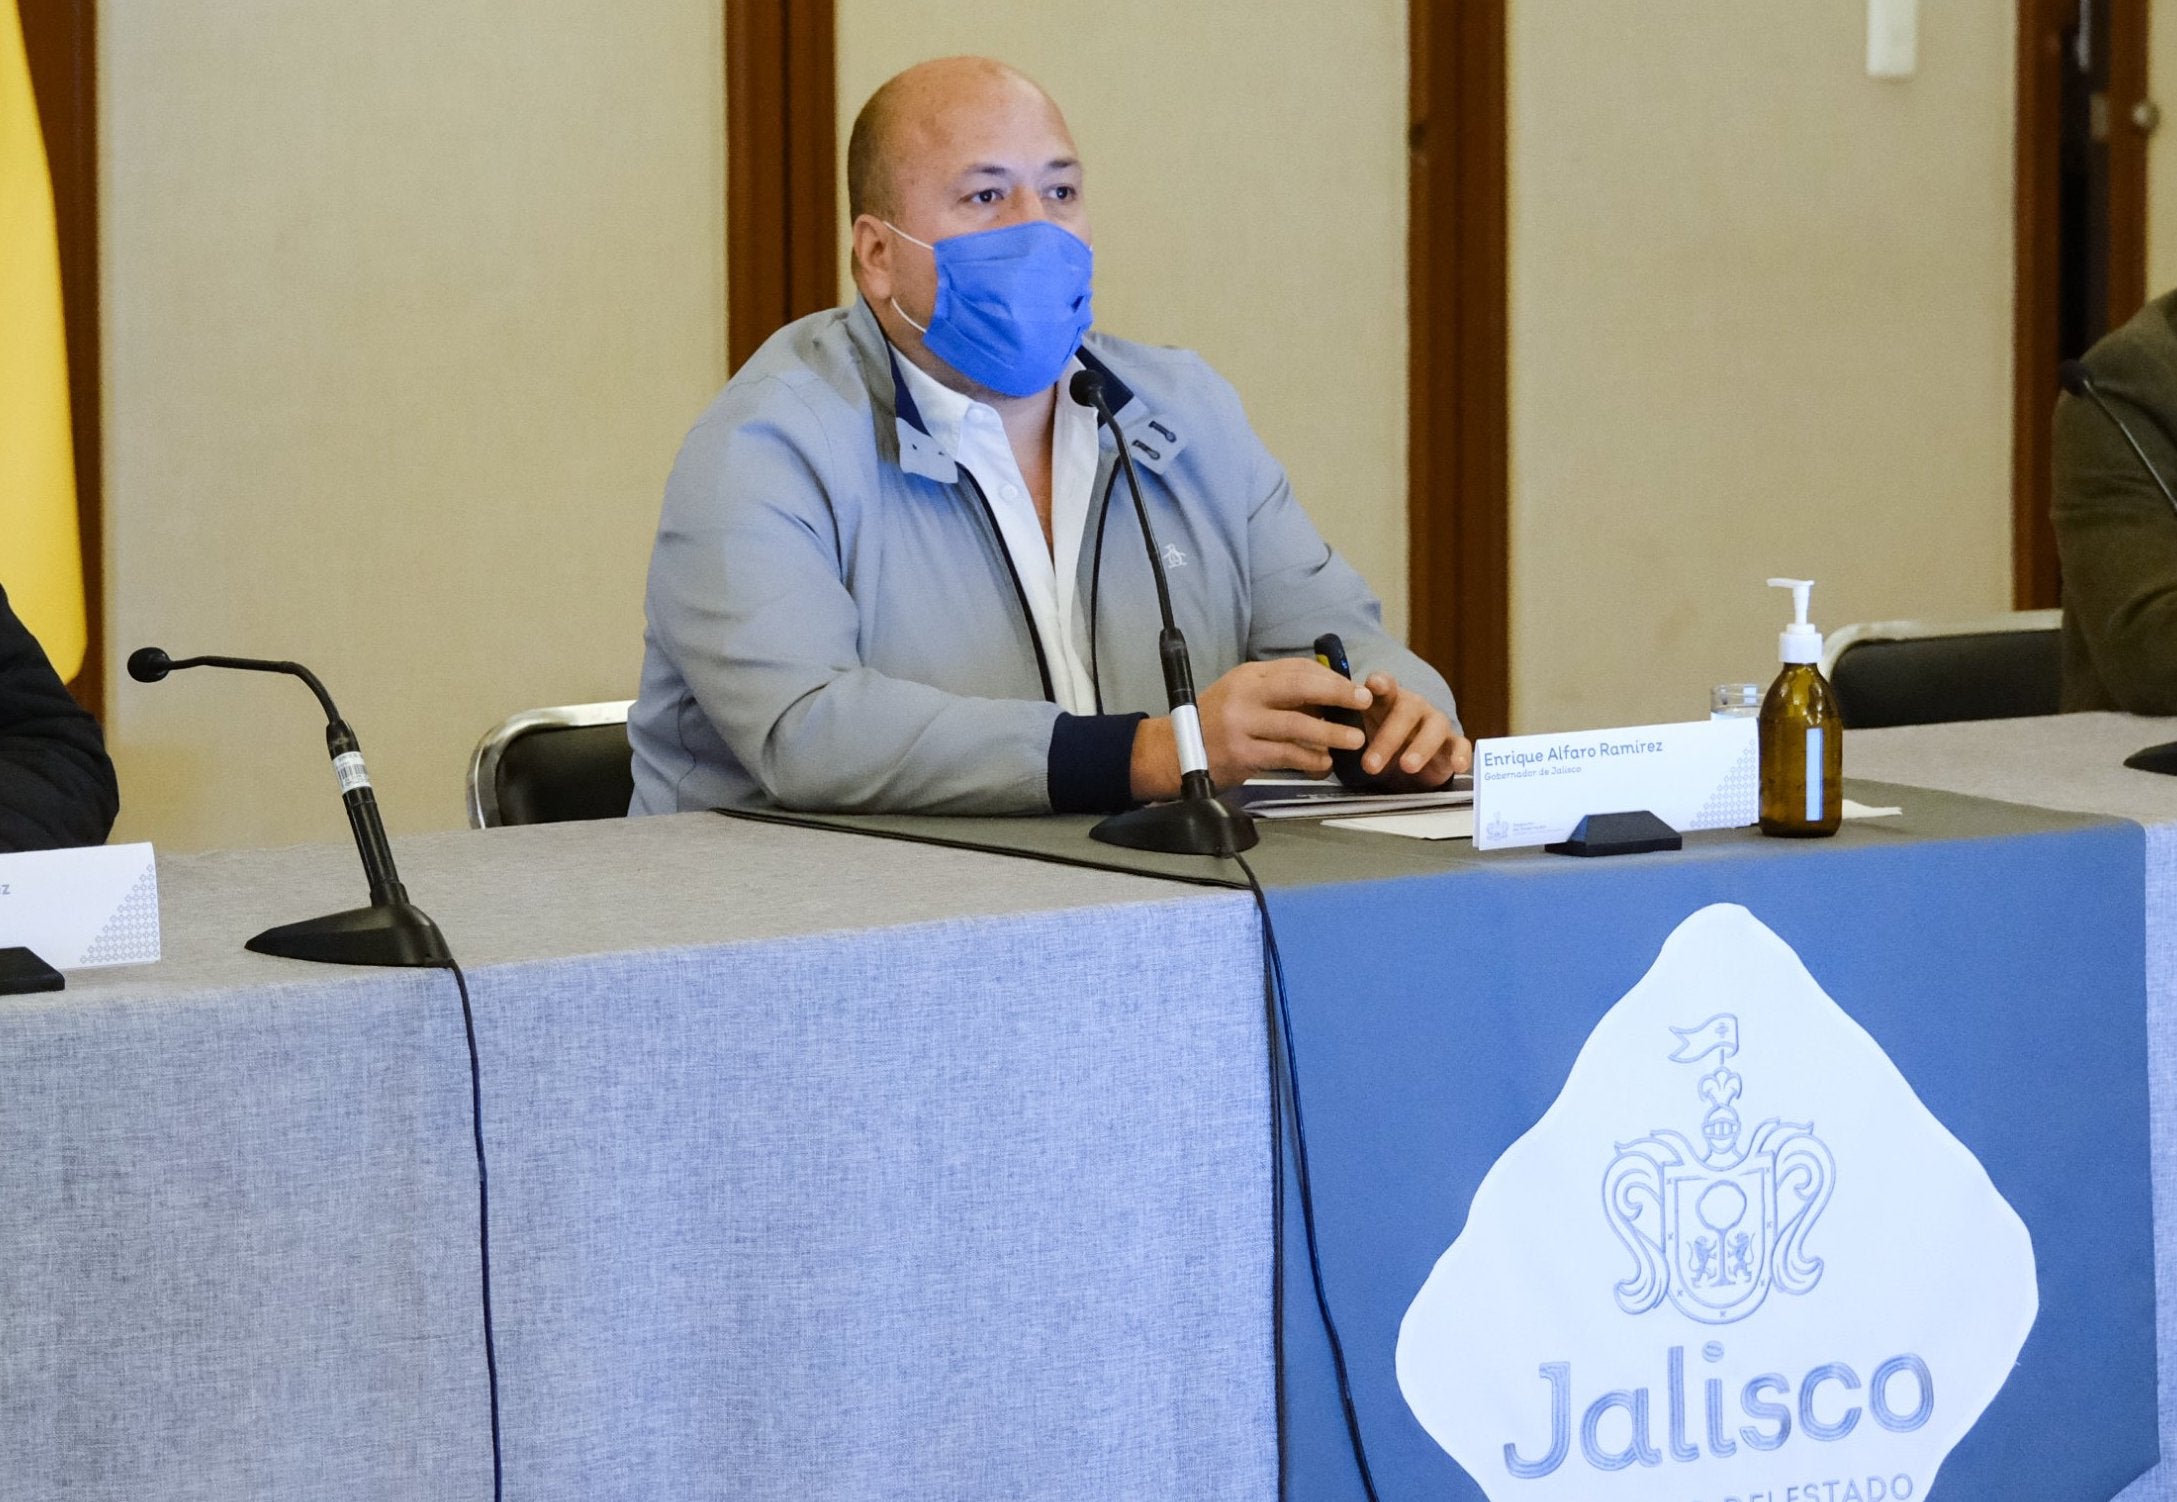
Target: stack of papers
(1273, 798)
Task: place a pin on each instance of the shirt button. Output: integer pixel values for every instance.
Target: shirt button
(1011, 492)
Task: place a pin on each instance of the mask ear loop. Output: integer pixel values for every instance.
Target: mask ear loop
(920, 328)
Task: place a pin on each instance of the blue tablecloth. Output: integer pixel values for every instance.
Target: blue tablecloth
(1860, 1257)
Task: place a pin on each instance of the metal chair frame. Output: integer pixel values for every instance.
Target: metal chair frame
(484, 760)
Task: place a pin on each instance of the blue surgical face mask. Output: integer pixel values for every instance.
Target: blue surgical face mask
(1012, 303)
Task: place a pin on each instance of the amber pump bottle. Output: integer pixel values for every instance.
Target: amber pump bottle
(1802, 735)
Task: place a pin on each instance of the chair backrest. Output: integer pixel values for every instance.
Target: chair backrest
(1928, 673)
(547, 766)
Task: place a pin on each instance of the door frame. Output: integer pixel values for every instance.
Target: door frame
(1458, 354)
(2036, 580)
(782, 215)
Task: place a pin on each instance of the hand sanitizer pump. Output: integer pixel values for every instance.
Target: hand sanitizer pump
(1802, 734)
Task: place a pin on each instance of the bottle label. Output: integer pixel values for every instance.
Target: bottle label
(1814, 774)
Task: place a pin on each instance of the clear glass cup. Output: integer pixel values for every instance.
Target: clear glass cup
(1734, 701)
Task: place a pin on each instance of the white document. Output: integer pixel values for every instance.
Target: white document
(1435, 824)
(1533, 789)
(80, 909)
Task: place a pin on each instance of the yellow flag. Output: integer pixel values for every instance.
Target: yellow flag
(41, 552)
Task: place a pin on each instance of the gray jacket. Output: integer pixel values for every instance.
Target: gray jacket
(833, 622)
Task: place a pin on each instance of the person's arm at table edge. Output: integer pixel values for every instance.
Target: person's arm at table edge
(2117, 537)
(57, 784)
(746, 596)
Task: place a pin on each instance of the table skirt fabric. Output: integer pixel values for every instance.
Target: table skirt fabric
(971, 1208)
(2160, 1484)
(822, 1167)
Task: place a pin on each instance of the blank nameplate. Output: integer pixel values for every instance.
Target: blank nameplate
(80, 909)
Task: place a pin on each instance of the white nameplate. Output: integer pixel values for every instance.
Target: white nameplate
(79, 909)
(1533, 789)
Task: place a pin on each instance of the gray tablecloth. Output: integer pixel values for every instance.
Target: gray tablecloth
(755, 1234)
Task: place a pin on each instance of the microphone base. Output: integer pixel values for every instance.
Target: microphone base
(394, 934)
(2162, 759)
(1191, 826)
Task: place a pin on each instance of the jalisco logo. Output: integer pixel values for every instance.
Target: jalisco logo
(1736, 1258)
(1714, 1229)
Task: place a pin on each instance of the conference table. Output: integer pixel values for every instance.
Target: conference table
(821, 1165)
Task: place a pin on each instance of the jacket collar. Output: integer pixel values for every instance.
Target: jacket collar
(1154, 439)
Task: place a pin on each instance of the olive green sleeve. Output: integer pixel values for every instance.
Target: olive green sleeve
(2115, 531)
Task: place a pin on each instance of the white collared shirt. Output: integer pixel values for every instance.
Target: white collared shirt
(974, 434)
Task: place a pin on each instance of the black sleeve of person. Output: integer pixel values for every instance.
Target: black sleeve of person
(56, 782)
(1092, 763)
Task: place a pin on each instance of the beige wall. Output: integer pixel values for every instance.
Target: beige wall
(408, 306)
(1247, 183)
(1761, 324)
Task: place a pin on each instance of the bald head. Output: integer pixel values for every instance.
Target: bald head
(950, 148)
(915, 116)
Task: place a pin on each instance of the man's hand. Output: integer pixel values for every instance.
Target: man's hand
(1412, 746)
(1257, 718)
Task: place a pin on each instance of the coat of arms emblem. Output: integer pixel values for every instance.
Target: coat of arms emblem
(1715, 1228)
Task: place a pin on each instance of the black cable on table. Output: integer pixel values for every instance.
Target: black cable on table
(1277, 1199)
(483, 1220)
(1281, 1020)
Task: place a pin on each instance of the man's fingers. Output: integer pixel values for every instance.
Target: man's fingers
(1392, 733)
(1446, 764)
(1426, 741)
(1292, 728)
(1260, 756)
(1288, 757)
(1297, 682)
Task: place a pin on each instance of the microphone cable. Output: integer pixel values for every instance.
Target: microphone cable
(1285, 1076)
(422, 946)
(483, 1219)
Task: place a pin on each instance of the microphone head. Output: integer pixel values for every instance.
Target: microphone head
(149, 664)
(2075, 378)
(1087, 388)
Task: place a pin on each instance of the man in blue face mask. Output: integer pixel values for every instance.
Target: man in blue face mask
(884, 579)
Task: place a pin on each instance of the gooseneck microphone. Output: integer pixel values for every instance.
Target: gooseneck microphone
(392, 930)
(1198, 823)
(2078, 380)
